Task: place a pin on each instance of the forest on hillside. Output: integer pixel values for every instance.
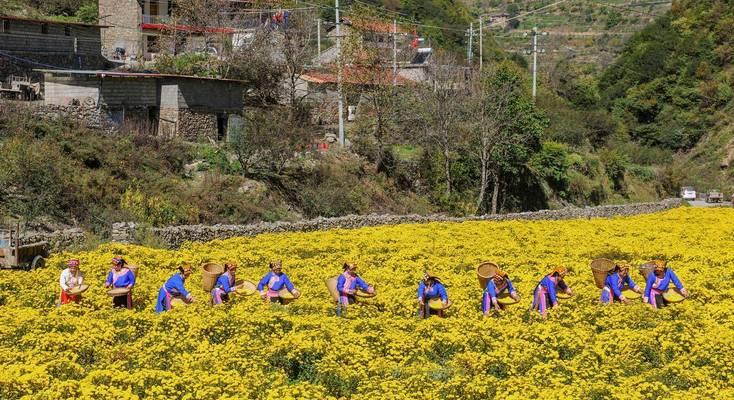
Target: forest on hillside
(657, 118)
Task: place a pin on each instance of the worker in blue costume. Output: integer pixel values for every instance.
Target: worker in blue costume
(273, 282)
(225, 284)
(615, 282)
(121, 277)
(428, 289)
(174, 287)
(545, 294)
(658, 282)
(499, 283)
(347, 285)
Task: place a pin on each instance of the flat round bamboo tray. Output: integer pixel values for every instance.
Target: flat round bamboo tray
(288, 296)
(247, 289)
(600, 269)
(331, 287)
(177, 302)
(118, 292)
(437, 304)
(630, 294)
(78, 289)
(485, 271)
(673, 295)
(562, 295)
(647, 268)
(506, 300)
(365, 294)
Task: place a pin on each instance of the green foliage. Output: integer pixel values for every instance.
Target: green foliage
(551, 163)
(192, 64)
(88, 13)
(673, 75)
(156, 210)
(615, 165)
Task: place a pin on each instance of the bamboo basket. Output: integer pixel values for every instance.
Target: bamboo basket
(287, 296)
(647, 268)
(630, 294)
(437, 304)
(673, 295)
(248, 288)
(485, 272)
(600, 269)
(78, 289)
(209, 274)
(331, 286)
(118, 292)
(134, 270)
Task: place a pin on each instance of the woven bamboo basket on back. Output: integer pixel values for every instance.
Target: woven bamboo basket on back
(600, 269)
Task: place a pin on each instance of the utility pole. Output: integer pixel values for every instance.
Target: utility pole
(535, 52)
(471, 36)
(339, 75)
(481, 45)
(394, 52)
(318, 35)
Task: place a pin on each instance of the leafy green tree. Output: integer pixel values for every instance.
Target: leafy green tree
(506, 128)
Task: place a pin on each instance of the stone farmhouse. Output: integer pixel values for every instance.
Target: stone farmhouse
(169, 105)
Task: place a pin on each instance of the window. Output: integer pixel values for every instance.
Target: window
(44, 29)
(67, 30)
(5, 26)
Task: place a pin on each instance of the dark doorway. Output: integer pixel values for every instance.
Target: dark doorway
(222, 120)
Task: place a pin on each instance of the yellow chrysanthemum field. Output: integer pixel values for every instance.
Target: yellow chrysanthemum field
(248, 349)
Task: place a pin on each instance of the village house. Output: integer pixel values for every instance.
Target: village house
(27, 43)
(135, 30)
(189, 107)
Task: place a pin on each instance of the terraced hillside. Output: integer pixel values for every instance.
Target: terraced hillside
(585, 31)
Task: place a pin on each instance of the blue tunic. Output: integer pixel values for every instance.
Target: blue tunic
(491, 293)
(437, 290)
(173, 286)
(282, 281)
(222, 287)
(551, 288)
(615, 285)
(124, 281)
(224, 282)
(664, 283)
(357, 282)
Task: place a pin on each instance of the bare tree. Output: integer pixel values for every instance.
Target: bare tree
(442, 107)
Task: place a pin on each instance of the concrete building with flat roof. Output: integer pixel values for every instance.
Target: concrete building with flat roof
(27, 43)
(190, 107)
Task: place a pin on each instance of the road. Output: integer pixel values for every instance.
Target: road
(702, 203)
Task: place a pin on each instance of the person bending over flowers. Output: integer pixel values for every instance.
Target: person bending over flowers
(428, 289)
(615, 282)
(174, 287)
(544, 296)
(658, 282)
(499, 283)
(347, 285)
(225, 284)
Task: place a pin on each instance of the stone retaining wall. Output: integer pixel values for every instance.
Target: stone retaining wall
(58, 240)
(174, 236)
(92, 116)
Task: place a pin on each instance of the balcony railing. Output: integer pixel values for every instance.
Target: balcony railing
(156, 19)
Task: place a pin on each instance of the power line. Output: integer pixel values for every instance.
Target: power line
(600, 4)
(29, 61)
